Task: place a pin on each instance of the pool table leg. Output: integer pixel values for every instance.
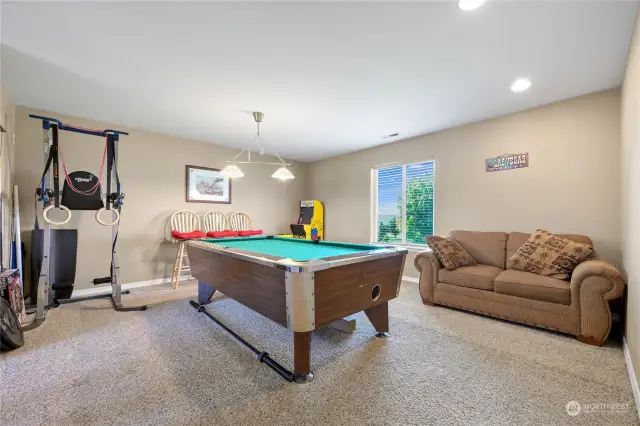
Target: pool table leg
(379, 317)
(205, 292)
(302, 356)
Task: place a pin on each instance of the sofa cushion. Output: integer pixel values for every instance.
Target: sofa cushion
(477, 276)
(532, 286)
(550, 255)
(487, 248)
(449, 252)
(517, 240)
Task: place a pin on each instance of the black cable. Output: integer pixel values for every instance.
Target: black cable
(36, 225)
(113, 245)
(110, 156)
(53, 151)
(115, 169)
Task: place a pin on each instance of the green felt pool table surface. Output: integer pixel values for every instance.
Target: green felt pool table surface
(292, 248)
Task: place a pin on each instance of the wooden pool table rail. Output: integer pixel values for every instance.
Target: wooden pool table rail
(237, 282)
(295, 266)
(340, 292)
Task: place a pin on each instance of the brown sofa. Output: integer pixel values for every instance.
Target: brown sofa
(579, 306)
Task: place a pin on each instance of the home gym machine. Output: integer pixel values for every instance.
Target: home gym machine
(82, 191)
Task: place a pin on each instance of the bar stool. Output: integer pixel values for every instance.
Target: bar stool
(185, 226)
(240, 222)
(214, 222)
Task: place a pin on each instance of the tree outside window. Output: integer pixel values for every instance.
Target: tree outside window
(407, 188)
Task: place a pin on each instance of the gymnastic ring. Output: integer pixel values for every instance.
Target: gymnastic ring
(63, 208)
(117, 219)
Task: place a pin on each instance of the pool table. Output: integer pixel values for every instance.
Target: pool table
(300, 284)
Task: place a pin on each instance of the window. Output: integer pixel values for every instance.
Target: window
(404, 203)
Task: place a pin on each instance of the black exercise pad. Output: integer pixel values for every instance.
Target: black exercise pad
(62, 258)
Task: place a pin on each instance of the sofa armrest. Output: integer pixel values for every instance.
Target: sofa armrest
(593, 283)
(427, 263)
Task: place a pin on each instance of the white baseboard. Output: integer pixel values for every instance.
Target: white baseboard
(106, 289)
(632, 374)
(410, 279)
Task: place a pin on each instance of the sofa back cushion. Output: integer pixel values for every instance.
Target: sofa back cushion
(517, 240)
(487, 248)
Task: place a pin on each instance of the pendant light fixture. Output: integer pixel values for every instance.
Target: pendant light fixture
(233, 171)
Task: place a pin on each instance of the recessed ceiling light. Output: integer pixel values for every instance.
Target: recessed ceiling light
(520, 85)
(467, 5)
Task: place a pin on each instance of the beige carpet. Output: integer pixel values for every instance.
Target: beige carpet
(170, 365)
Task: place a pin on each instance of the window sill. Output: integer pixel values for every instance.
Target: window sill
(417, 248)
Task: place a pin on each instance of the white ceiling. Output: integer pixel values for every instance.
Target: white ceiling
(330, 77)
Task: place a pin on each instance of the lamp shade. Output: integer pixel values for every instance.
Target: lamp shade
(283, 174)
(232, 171)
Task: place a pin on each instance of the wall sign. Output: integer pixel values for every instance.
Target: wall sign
(507, 162)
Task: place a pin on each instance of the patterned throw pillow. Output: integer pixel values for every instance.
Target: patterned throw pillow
(550, 255)
(449, 252)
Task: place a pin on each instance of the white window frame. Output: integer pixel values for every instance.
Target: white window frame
(374, 203)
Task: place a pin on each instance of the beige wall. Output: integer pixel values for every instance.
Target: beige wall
(152, 171)
(571, 186)
(630, 172)
(7, 161)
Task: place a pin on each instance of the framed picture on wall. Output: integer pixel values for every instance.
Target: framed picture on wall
(205, 185)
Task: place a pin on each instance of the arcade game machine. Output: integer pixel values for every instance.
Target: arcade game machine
(310, 224)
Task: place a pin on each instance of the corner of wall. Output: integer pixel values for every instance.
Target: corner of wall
(629, 173)
(7, 170)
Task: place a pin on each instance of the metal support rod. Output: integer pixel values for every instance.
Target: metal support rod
(116, 286)
(259, 162)
(48, 122)
(115, 268)
(85, 298)
(44, 296)
(258, 116)
(262, 356)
